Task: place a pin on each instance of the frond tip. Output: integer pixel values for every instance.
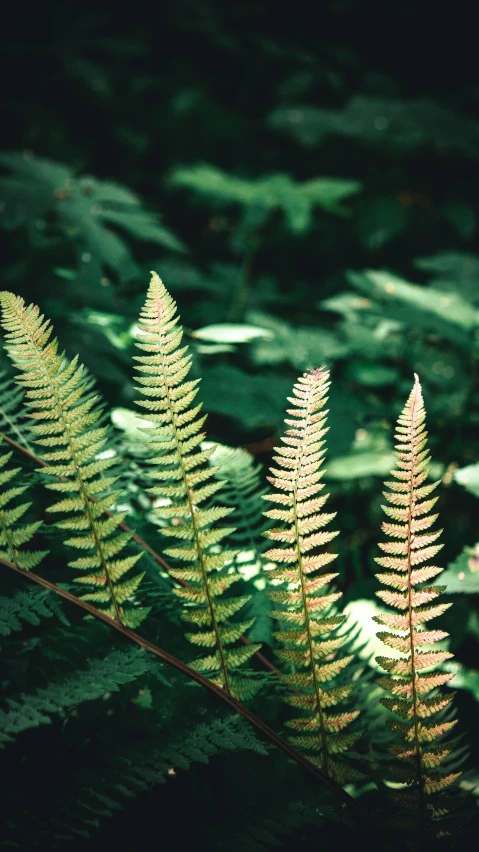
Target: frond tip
(310, 635)
(184, 483)
(411, 679)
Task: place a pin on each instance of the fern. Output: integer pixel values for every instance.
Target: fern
(89, 684)
(64, 416)
(13, 535)
(412, 676)
(11, 413)
(242, 491)
(134, 769)
(128, 771)
(29, 607)
(306, 602)
(184, 482)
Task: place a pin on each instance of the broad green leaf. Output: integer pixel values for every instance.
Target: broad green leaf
(231, 333)
(469, 478)
(449, 308)
(462, 575)
(357, 465)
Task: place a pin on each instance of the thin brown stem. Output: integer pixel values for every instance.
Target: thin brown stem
(220, 693)
(141, 543)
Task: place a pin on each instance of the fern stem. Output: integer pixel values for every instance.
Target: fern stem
(21, 449)
(220, 693)
(267, 664)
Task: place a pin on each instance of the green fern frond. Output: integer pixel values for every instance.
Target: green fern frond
(242, 491)
(128, 771)
(184, 481)
(309, 638)
(65, 423)
(89, 684)
(412, 678)
(29, 607)
(12, 418)
(13, 536)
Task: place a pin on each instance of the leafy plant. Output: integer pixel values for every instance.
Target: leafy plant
(180, 482)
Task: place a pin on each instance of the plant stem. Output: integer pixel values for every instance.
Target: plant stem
(141, 543)
(220, 693)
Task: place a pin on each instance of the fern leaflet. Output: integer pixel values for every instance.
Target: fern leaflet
(29, 607)
(64, 416)
(11, 412)
(184, 481)
(13, 535)
(412, 679)
(89, 684)
(306, 602)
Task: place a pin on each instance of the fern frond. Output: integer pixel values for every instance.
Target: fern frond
(13, 536)
(12, 418)
(29, 607)
(125, 772)
(89, 684)
(412, 678)
(183, 482)
(65, 423)
(306, 599)
(242, 491)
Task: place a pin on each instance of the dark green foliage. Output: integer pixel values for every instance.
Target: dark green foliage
(97, 680)
(305, 181)
(28, 607)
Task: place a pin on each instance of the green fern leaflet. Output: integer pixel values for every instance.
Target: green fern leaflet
(13, 535)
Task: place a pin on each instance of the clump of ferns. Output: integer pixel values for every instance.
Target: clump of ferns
(65, 420)
(309, 633)
(420, 713)
(184, 486)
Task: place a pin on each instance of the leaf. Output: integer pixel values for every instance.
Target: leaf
(231, 333)
(358, 465)
(262, 195)
(469, 478)
(451, 309)
(462, 576)
(305, 597)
